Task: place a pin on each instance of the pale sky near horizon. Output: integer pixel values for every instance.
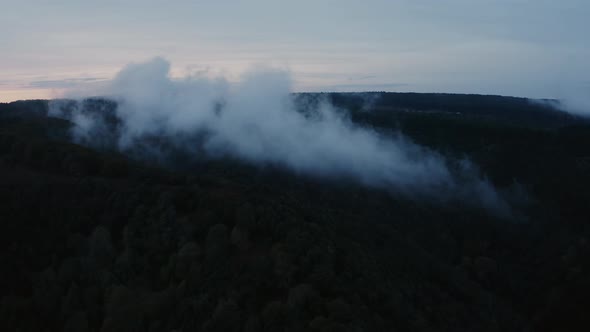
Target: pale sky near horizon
(529, 48)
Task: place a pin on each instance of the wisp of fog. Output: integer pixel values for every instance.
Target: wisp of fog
(257, 120)
(577, 102)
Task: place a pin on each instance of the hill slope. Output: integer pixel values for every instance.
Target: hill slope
(94, 241)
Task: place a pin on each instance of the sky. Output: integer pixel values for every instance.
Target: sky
(528, 48)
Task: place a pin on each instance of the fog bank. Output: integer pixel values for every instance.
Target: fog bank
(256, 120)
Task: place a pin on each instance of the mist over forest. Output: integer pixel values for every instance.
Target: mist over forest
(159, 204)
(294, 166)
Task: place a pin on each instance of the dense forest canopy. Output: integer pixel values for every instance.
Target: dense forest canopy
(93, 238)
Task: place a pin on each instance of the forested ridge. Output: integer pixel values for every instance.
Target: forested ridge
(93, 240)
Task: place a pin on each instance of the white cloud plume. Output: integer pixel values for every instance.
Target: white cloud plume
(257, 120)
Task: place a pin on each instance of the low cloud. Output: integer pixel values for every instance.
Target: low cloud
(577, 103)
(257, 120)
(573, 99)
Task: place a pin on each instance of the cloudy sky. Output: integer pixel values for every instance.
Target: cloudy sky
(532, 48)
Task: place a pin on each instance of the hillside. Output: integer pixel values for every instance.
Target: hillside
(95, 240)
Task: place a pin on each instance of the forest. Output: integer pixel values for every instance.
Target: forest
(94, 239)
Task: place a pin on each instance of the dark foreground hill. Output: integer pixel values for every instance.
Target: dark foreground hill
(94, 241)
